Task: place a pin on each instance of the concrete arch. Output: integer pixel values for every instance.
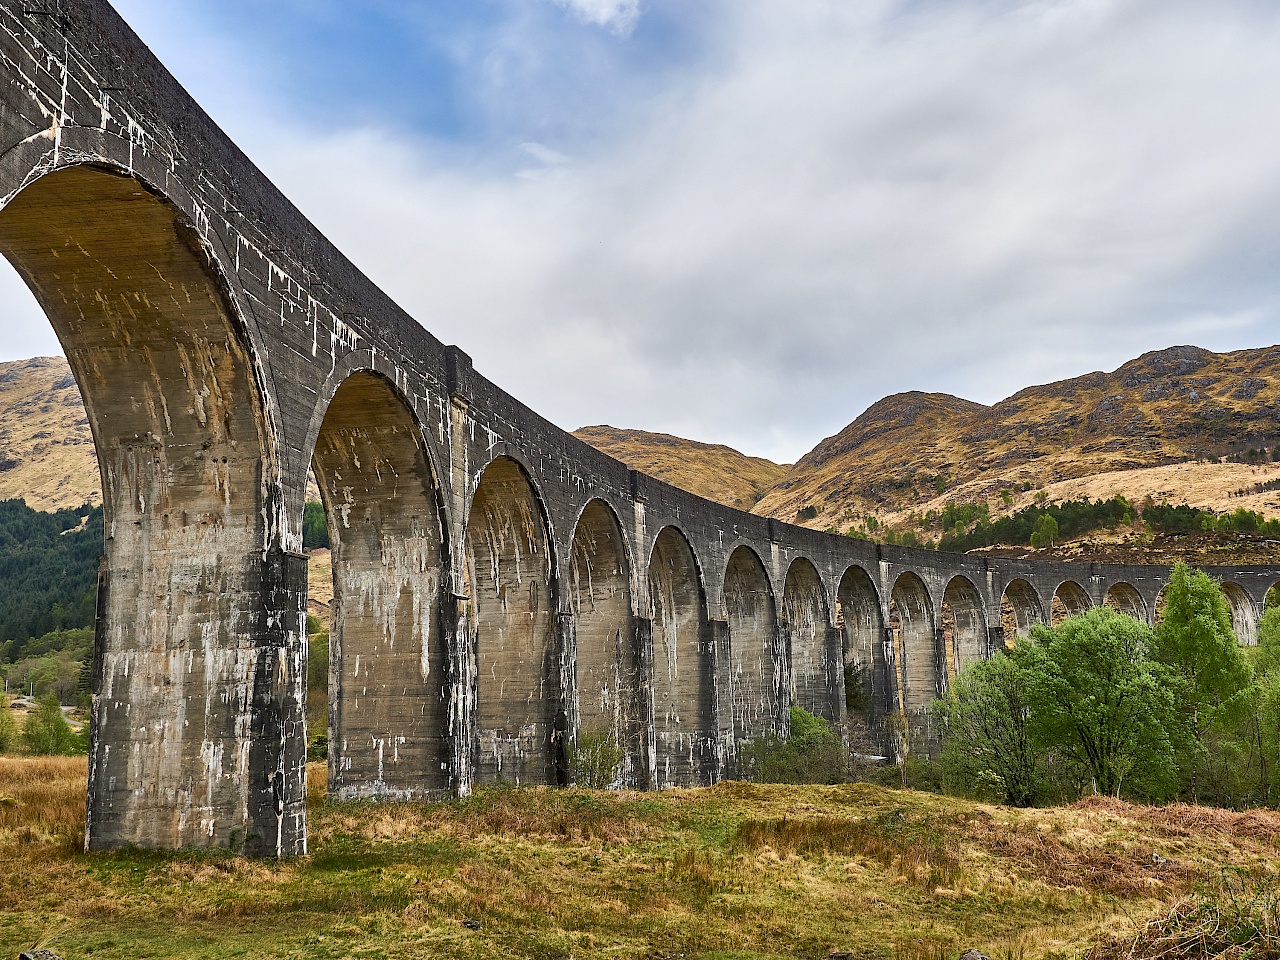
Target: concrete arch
(608, 697)
(758, 686)
(186, 446)
(911, 627)
(510, 623)
(1020, 609)
(964, 626)
(388, 647)
(370, 362)
(683, 665)
(1125, 597)
(814, 646)
(869, 688)
(1244, 615)
(1069, 600)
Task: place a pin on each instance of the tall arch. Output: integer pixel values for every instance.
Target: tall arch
(1126, 598)
(757, 680)
(964, 625)
(868, 688)
(683, 674)
(1244, 618)
(912, 629)
(198, 678)
(1020, 609)
(388, 650)
(1069, 600)
(607, 663)
(510, 622)
(815, 657)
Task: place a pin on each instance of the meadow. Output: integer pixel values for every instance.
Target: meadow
(731, 871)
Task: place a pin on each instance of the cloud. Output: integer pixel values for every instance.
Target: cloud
(827, 203)
(620, 16)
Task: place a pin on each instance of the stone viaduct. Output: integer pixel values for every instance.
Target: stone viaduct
(500, 587)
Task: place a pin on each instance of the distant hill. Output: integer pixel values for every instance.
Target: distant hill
(46, 449)
(711, 471)
(1137, 430)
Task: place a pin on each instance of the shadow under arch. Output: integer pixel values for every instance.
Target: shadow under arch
(758, 685)
(1020, 610)
(1069, 600)
(194, 577)
(608, 697)
(1125, 597)
(812, 644)
(683, 666)
(869, 688)
(964, 626)
(1244, 618)
(509, 622)
(911, 627)
(389, 650)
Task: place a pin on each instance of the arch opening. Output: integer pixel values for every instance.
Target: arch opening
(1244, 618)
(964, 626)
(607, 662)
(683, 675)
(187, 465)
(867, 684)
(757, 678)
(1020, 610)
(914, 641)
(510, 622)
(388, 651)
(1069, 600)
(816, 662)
(1126, 598)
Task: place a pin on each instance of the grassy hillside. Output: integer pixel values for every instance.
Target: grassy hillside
(733, 871)
(46, 450)
(712, 471)
(1095, 435)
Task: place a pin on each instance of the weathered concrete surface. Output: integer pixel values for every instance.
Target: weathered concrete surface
(500, 587)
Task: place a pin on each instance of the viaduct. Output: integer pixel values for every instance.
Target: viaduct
(500, 587)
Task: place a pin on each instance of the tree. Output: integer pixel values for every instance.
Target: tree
(46, 732)
(1046, 532)
(1100, 700)
(1196, 642)
(986, 727)
(315, 526)
(8, 727)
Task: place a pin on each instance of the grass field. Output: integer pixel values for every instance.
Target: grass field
(732, 871)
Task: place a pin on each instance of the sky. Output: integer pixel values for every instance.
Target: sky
(744, 221)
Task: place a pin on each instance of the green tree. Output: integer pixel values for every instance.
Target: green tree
(1102, 702)
(46, 732)
(315, 526)
(8, 727)
(1196, 642)
(986, 727)
(1046, 532)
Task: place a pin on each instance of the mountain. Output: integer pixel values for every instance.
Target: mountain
(46, 450)
(712, 471)
(1147, 428)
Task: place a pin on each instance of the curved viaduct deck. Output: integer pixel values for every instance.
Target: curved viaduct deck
(500, 587)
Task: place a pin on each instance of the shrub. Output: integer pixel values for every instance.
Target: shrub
(812, 754)
(46, 732)
(595, 761)
(8, 727)
(807, 512)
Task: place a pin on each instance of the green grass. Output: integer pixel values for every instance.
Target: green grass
(736, 871)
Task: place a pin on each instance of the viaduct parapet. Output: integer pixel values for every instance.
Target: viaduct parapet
(500, 588)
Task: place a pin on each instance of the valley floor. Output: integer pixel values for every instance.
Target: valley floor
(732, 871)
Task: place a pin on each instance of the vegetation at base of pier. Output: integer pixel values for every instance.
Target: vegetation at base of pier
(737, 870)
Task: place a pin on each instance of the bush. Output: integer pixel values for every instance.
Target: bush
(595, 761)
(8, 727)
(813, 753)
(46, 732)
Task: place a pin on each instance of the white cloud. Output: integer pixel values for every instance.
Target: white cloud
(841, 201)
(620, 16)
